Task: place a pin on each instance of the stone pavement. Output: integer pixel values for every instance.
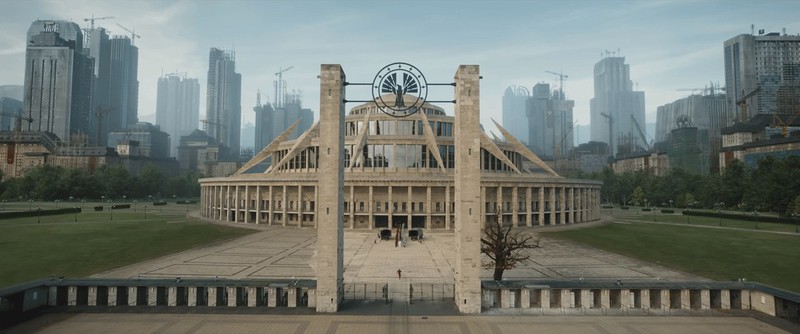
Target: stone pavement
(87, 323)
(278, 252)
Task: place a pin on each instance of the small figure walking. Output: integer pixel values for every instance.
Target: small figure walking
(399, 274)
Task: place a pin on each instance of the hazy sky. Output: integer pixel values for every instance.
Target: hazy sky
(669, 44)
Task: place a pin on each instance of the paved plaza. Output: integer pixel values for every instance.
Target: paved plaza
(351, 324)
(278, 252)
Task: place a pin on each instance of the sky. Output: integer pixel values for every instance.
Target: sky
(670, 45)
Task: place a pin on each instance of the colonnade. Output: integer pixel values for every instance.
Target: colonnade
(417, 205)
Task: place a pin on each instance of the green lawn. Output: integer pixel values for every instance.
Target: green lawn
(56, 245)
(714, 253)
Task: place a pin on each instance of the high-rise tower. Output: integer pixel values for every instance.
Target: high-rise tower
(58, 79)
(614, 96)
(224, 99)
(514, 117)
(177, 107)
(763, 67)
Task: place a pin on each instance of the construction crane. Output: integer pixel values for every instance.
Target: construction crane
(610, 132)
(280, 88)
(561, 77)
(641, 133)
(205, 124)
(134, 36)
(742, 103)
(92, 19)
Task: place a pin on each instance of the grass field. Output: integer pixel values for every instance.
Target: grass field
(37, 247)
(721, 254)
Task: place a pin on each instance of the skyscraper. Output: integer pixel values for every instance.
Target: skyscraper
(761, 68)
(614, 96)
(124, 84)
(515, 99)
(549, 122)
(224, 100)
(271, 122)
(177, 107)
(98, 47)
(115, 90)
(58, 79)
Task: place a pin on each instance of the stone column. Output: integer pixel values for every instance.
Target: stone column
(514, 206)
(52, 296)
(252, 297)
(232, 296)
(212, 295)
(552, 192)
(605, 298)
(447, 208)
(725, 299)
(468, 188)
(525, 298)
(300, 205)
(258, 205)
(284, 205)
(272, 298)
(499, 208)
(92, 301)
(665, 298)
(192, 300)
(172, 296)
(544, 298)
(390, 209)
(580, 205)
(132, 296)
(246, 204)
(270, 205)
(705, 299)
(571, 206)
(235, 207)
(351, 208)
(625, 299)
(409, 205)
(562, 207)
(541, 205)
(644, 298)
(112, 296)
(528, 206)
(152, 296)
(504, 298)
(329, 211)
(370, 209)
(586, 298)
(564, 300)
(72, 295)
(292, 295)
(428, 206)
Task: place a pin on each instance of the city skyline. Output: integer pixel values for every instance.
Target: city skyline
(670, 45)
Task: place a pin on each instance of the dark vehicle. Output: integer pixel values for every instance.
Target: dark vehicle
(386, 234)
(415, 234)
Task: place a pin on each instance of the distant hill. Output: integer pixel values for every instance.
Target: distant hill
(11, 91)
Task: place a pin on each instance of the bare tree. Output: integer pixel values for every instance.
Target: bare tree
(505, 246)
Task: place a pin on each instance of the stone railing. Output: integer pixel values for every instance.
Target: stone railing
(623, 297)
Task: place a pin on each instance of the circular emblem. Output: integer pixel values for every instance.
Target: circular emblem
(394, 84)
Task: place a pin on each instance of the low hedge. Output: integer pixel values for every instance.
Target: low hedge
(645, 209)
(741, 216)
(35, 213)
(121, 206)
(186, 202)
(667, 211)
(607, 206)
(98, 208)
(159, 203)
(624, 207)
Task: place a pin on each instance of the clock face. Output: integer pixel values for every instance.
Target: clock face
(392, 86)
